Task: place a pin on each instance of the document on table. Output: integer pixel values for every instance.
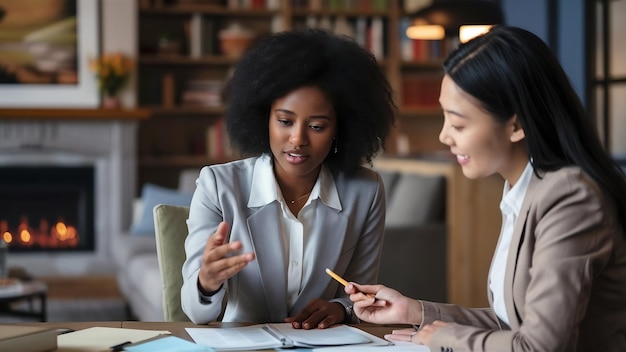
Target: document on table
(281, 335)
(395, 347)
(166, 343)
(98, 338)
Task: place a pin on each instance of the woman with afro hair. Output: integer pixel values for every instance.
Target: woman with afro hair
(307, 108)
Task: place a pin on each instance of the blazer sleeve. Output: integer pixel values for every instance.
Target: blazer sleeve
(566, 241)
(204, 216)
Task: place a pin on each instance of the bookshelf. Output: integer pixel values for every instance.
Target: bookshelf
(179, 42)
(182, 68)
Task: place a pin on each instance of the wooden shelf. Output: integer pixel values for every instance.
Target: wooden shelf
(421, 111)
(75, 114)
(177, 161)
(198, 111)
(206, 9)
(181, 60)
(341, 12)
(430, 65)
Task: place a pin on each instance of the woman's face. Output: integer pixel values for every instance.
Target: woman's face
(482, 145)
(302, 126)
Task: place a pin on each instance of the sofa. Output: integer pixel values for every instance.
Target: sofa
(413, 254)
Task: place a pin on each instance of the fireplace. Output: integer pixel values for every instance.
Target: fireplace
(47, 208)
(98, 148)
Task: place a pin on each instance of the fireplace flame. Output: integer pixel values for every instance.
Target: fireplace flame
(61, 235)
(7, 237)
(25, 237)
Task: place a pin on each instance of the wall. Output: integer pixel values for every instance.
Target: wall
(533, 16)
(118, 32)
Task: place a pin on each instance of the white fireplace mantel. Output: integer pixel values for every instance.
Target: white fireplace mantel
(105, 139)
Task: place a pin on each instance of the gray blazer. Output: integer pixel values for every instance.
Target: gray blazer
(565, 279)
(347, 240)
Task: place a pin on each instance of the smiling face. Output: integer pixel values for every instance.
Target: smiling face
(482, 145)
(302, 126)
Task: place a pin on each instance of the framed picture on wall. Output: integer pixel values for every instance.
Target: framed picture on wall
(45, 47)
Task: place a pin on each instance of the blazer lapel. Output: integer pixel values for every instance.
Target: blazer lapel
(267, 244)
(514, 250)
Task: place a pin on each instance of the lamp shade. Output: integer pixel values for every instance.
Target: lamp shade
(452, 14)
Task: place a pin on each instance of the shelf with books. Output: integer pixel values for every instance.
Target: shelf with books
(208, 9)
(187, 50)
(367, 27)
(183, 40)
(167, 135)
(181, 58)
(420, 89)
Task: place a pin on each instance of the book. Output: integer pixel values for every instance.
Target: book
(281, 335)
(27, 338)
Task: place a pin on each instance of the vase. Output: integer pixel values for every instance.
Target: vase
(111, 102)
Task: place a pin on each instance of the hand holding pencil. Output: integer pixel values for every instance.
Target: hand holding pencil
(380, 304)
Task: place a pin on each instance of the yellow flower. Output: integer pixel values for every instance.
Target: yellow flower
(112, 71)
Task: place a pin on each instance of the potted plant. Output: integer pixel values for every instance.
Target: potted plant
(113, 72)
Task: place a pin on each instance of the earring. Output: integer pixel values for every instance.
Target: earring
(335, 142)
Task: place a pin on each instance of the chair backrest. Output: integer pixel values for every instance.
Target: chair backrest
(170, 225)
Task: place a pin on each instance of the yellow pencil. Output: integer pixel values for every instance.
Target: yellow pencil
(337, 277)
(345, 283)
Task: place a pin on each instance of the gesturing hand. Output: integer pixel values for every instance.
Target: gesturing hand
(217, 266)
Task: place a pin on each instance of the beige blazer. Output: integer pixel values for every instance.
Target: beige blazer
(565, 279)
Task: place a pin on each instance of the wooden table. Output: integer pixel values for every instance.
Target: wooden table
(178, 328)
(31, 292)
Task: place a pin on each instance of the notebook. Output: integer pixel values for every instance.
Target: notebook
(281, 335)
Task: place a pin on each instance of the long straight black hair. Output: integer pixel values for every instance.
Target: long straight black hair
(512, 71)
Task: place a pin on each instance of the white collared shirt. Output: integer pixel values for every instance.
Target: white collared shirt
(296, 232)
(510, 206)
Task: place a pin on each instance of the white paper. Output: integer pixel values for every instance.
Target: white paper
(258, 337)
(233, 338)
(396, 347)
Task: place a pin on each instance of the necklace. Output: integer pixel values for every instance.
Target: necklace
(297, 199)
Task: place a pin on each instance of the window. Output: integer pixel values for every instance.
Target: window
(607, 73)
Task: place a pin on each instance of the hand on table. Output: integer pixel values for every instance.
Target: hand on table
(318, 314)
(420, 337)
